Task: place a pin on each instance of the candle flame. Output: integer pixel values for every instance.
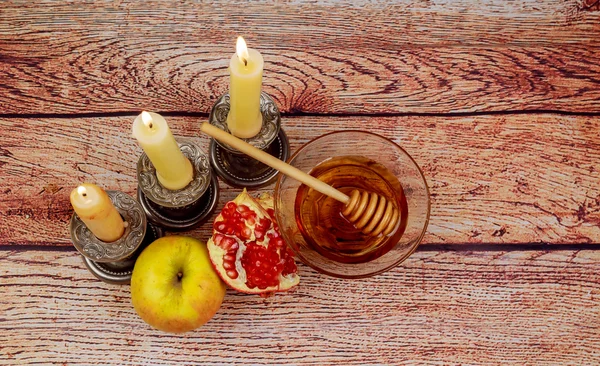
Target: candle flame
(242, 50)
(147, 119)
(82, 191)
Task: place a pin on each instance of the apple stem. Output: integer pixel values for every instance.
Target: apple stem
(179, 276)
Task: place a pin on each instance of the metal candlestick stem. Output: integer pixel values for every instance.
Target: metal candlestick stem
(233, 166)
(181, 209)
(113, 262)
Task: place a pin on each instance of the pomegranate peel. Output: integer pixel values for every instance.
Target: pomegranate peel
(247, 250)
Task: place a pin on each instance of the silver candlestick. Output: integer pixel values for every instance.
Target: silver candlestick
(113, 262)
(233, 166)
(181, 209)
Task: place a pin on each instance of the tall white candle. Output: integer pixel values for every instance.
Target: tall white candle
(173, 170)
(245, 68)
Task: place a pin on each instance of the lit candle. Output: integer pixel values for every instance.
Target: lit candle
(245, 69)
(95, 209)
(173, 170)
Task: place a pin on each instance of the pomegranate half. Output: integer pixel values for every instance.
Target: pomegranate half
(247, 249)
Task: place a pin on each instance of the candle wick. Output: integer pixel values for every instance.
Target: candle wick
(245, 61)
(84, 194)
(150, 125)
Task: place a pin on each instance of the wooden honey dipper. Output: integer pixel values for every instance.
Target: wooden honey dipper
(369, 212)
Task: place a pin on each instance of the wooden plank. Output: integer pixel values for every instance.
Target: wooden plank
(404, 57)
(406, 22)
(437, 308)
(517, 178)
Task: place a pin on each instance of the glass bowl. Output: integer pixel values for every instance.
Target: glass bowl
(399, 166)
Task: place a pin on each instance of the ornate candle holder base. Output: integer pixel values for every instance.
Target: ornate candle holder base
(182, 218)
(119, 273)
(244, 171)
(113, 262)
(237, 169)
(182, 209)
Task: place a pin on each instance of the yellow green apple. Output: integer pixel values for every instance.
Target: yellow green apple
(174, 287)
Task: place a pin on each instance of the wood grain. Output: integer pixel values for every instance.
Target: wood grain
(366, 58)
(73, 74)
(437, 308)
(510, 179)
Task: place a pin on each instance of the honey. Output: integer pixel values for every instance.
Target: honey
(320, 218)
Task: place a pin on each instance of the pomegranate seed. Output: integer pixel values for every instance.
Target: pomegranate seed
(228, 265)
(227, 242)
(229, 257)
(231, 206)
(259, 234)
(243, 208)
(249, 216)
(278, 242)
(265, 223)
(218, 238)
(232, 274)
(246, 233)
(219, 226)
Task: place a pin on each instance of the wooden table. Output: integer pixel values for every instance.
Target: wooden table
(499, 102)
